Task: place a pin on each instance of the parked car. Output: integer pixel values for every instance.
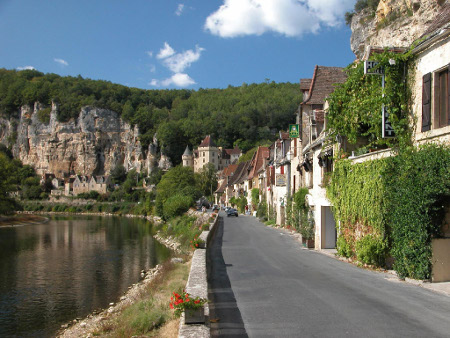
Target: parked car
(232, 212)
(216, 207)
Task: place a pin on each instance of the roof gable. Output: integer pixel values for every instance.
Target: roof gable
(207, 142)
(322, 84)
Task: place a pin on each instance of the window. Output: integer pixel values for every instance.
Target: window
(440, 116)
(441, 112)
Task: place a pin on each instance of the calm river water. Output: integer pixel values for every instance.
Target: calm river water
(54, 272)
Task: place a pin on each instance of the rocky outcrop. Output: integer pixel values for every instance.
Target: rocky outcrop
(94, 143)
(394, 24)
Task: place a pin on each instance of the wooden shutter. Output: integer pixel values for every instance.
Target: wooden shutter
(448, 94)
(426, 102)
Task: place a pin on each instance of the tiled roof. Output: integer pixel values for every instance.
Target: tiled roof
(239, 173)
(323, 82)
(258, 161)
(305, 84)
(441, 19)
(208, 142)
(222, 187)
(234, 151)
(284, 135)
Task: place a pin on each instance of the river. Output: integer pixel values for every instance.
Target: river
(54, 272)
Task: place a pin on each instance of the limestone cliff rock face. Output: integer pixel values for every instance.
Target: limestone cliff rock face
(92, 144)
(395, 24)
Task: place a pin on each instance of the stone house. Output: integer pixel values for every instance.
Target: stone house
(80, 184)
(431, 91)
(257, 165)
(317, 151)
(84, 183)
(223, 179)
(209, 152)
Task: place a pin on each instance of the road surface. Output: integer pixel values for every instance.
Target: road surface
(263, 283)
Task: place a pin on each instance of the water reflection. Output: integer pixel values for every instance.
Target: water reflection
(54, 272)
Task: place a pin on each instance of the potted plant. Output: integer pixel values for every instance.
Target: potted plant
(307, 228)
(193, 308)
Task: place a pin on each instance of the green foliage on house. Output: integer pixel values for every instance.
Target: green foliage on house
(392, 207)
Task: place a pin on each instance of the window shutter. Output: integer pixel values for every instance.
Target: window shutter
(426, 102)
(448, 94)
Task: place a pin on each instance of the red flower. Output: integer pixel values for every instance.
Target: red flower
(171, 305)
(196, 301)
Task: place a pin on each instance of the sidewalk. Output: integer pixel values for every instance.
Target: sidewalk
(442, 288)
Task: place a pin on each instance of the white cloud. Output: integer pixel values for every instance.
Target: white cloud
(26, 68)
(179, 80)
(149, 53)
(286, 17)
(61, 62)
(165, 52)
(178, 62)
(152, 68)
(154, 82)
(180, 9)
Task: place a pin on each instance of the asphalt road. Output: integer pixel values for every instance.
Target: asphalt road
(264, 284)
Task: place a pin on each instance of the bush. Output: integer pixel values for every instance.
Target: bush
(343, 247)
(261, 212)
(176, 206)
(371, 250)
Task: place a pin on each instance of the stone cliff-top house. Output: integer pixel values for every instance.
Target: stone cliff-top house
(208, 152)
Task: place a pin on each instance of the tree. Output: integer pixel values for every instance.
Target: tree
(7, 204)
(207, 180)
(174, 181)
(118, 174)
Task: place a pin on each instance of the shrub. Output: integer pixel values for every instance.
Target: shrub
(343, 247)
(261, 212)
(176, 206)
(371, 250)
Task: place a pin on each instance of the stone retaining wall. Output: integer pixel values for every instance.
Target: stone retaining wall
(197, 286)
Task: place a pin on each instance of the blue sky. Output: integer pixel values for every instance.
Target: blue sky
(153, 44)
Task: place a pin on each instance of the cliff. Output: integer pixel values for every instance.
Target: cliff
(393, 24)
(94, 143)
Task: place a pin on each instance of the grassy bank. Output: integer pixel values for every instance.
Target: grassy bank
(150, 315)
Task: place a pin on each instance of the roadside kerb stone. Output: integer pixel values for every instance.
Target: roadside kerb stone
(197, 286)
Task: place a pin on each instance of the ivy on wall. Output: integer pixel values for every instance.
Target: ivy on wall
(392, 206)
(355, 106)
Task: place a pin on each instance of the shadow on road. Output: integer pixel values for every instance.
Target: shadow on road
(225, 317)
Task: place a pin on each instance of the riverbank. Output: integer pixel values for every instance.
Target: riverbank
(142, 310)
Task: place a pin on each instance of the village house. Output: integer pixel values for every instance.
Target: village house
(257, 165)
(317, 151)
(84, 184)
(223, 180)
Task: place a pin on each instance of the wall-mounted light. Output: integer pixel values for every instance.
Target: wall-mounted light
(391, 62)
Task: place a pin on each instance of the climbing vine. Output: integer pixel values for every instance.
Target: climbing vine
(355, 106)
(392, 206)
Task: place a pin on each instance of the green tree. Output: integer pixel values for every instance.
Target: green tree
(174, 181)
(207, 180)
(7, 204)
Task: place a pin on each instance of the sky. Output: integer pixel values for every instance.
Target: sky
(157, 44)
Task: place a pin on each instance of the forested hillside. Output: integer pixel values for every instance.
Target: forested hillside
(244, 115)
